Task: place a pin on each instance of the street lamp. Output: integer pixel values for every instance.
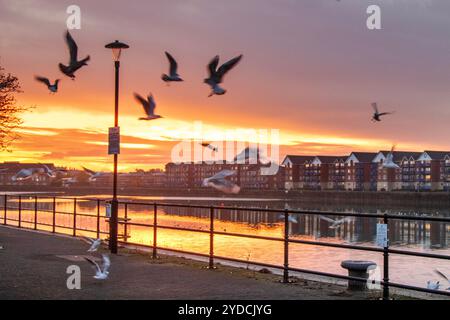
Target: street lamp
(114, 145)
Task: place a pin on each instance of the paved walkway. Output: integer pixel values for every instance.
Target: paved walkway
(31, 267)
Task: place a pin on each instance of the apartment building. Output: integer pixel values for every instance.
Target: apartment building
(359, 171)
(294, 169)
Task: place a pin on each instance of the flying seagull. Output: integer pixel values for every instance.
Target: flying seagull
(248, 154)
(216, 75)
(93, 175)
(173, 75)
(376, 114)
(52, 87)
(219, 182)
(101, 273)
(24, 174)
(52, 173)
(95, 243)
(389, 162)
(149, 106)
(443, 276)
(291, 218)
(336, 223)
(209, 146)
(74, 63)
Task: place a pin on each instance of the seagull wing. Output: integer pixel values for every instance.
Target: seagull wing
(87, 240)
(73, 48)
(222, 174)
(385, 113)
(327, 219)
(227, 66)
(106, 263)
(173, 64)
(442, 275)
(151, 104)
(89, 171)
(144, 103)
(93, 263)
(375, 107)
(43, 80)
(212, 66)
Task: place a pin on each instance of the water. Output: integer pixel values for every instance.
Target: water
(406, 235)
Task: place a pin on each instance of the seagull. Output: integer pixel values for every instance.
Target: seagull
(247, 154)
(291, 219)
(219, 182)
(173, 75)
(389, 162)
(74, 64)
(216, 75)
(376, 115)
(433, 285)
(52, 87)
(443, 276)
(51, 173)
(103, 272)
(209, 146)
(24, 174)
(336, 223)
(95, 243)
(149, 106)
(93, 175)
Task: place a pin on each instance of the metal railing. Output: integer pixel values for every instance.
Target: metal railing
(211, 256)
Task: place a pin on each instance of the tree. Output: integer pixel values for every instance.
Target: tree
(10, 112)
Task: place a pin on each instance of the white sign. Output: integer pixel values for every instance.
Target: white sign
(382, 235)
(108, 210)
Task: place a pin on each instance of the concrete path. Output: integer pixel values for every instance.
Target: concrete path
(33, 266)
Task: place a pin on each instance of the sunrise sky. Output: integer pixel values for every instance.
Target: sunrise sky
(310, 69)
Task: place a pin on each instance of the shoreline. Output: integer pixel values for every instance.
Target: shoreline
(355, 198)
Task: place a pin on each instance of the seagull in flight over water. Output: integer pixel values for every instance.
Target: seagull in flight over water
(336, 223)
(219, 182)
(216, 75)
(52, 87)
(291, 218)
(173, 75)
(149, 106)
(101, 273)
(376, 114)
(74, 63)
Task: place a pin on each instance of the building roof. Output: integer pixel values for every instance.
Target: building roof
(331, 159)
(399, 155)
(364, 156)
(437, 155)
(298, 159)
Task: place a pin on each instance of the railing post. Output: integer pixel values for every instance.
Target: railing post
(125, 226)
(286, 247)
(98, 218)
(74, 217)
(5, 208)
(54, 216)
(155, 230)
(20, 211)
(386, 264)
(211, 238)
(35, 212)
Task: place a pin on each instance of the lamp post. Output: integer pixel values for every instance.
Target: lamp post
(116, 48)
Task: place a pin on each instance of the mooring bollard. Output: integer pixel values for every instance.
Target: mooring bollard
(357, 269)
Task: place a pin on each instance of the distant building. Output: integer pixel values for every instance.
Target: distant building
(325, 172)
(359, 171)
(294, 169)
(433, 171)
